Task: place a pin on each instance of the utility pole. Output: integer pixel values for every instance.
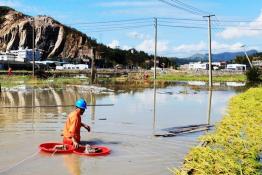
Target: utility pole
(209, 52)
(33, 47)
(244, 46)
(92, 65)
(155, 20)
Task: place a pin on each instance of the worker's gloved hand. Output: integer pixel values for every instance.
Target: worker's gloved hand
(76, 145)
(87, 128)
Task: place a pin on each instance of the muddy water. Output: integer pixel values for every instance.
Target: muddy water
(127, 127)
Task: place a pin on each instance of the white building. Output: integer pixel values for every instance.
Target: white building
(73, 67)
(26, 55)
(241, 67)
(7, 57)
(197, 66)
(257, 63)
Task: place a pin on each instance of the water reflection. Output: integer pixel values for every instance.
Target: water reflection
(57, 99)
(72, 162)
(154, 109)
(209, 105)
(93, 107)
(177, 105)
(127, 128)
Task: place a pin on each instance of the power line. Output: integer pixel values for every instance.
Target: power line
(117, 28)
(181, 26)
(181, 23)
(113, 21)
(181, 8)
(190, 7)
(199, 27)
(182, 19)
(107, 26)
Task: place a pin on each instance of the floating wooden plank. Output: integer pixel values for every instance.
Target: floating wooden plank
(174, 131)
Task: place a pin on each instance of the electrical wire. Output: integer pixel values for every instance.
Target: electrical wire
(191, 7)
(117, 28)
(113, 21)
(181, 8)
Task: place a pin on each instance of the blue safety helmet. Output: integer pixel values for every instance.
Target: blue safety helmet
(80, 103)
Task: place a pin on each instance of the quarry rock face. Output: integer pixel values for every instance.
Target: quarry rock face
(54, 39)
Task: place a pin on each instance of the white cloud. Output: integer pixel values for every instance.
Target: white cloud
(202, 47)
(10, 3)
(242, 30)
(148, 45)
(126, 47)
(221, 47)
(114, 44)
(189, 48)
(126, 4)
(137, 35)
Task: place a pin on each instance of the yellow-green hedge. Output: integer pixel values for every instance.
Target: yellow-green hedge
(234, 147)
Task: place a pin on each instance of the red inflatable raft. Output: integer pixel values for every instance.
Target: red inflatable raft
(56, 148)
(103, 151)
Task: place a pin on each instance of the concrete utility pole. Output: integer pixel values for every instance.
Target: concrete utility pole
(92, 65)
(33, 47)
(209, 52)
(155, 20)
(244, 46)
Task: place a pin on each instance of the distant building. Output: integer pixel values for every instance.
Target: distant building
(72, 67)
(184, 67)
(218, 65)
(198, 66)
(257, 63)
(240, 67)
(7, 57)
(26, 55)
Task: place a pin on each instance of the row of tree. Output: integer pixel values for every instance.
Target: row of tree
(107, 57)
(243, 59)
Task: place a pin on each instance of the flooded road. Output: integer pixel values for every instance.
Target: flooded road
(127, 128)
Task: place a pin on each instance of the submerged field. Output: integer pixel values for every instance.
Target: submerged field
(132, 78)
(235, 145)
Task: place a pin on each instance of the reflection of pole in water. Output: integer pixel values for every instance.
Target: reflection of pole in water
(72, 162)
(21, 98)
(10, 97)
(33, 109)
(36, 100)
(93, 103)
(57, 100)
(209, 105)
(154, 109)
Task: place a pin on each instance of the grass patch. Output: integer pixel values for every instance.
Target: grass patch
(235, 145)
(15, 80)
(191, 77)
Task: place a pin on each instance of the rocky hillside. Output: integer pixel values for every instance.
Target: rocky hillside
(59, 41)
(55, 39)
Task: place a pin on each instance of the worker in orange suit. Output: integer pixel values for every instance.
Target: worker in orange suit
(9, 72)
(73, 124)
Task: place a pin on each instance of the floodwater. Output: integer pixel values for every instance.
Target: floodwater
(127, 127)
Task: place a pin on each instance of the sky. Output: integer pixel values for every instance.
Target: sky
(236, 23)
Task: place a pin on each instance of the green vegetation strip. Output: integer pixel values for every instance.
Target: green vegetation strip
(191, 77)
(234, 147)
(10, 81)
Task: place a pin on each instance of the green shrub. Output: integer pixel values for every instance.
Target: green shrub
(253, 74)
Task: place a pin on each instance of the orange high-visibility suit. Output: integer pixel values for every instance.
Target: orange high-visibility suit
(72, 128)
